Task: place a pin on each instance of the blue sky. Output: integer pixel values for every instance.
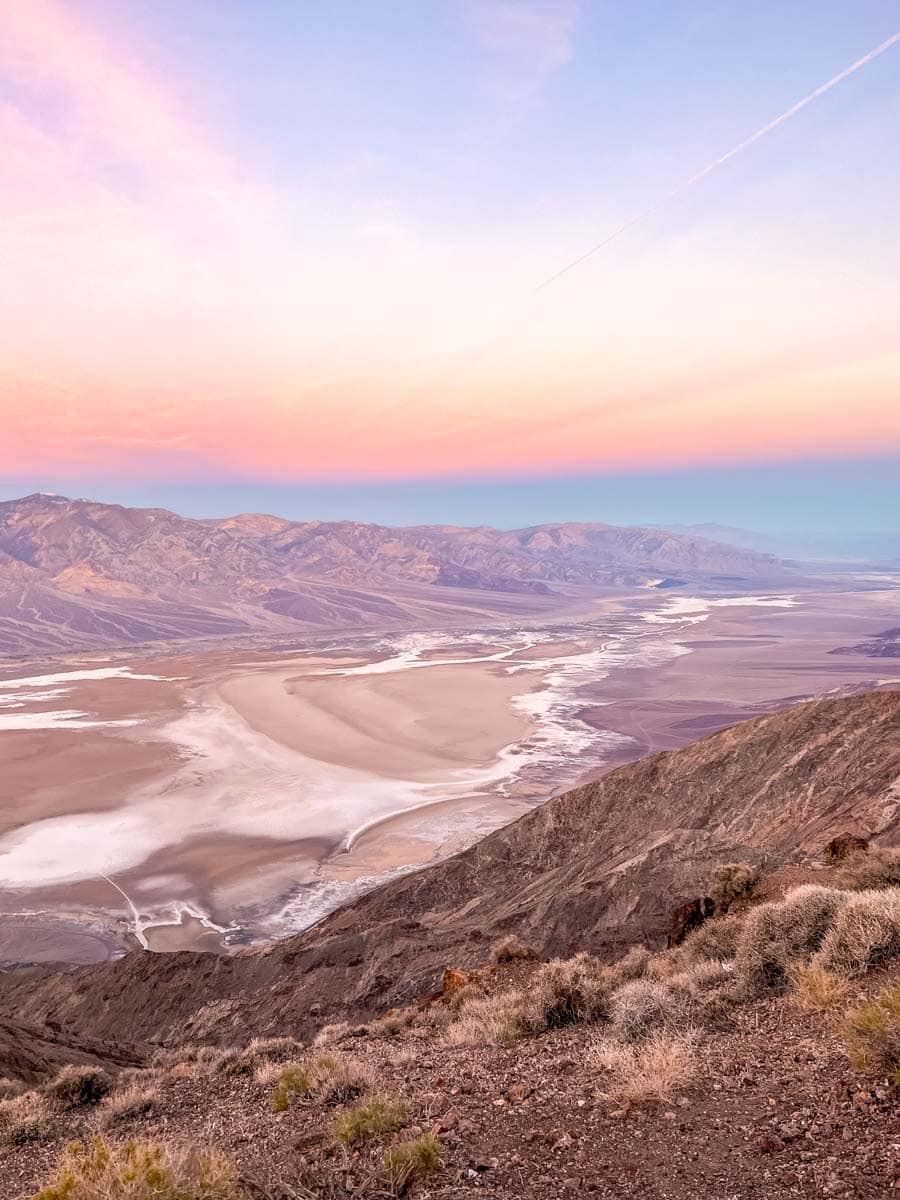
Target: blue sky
(281, 254)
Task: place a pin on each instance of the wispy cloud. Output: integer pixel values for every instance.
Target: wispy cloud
(535, 37)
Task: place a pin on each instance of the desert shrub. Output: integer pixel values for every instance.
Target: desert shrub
(497, 1020)
(327, 1078)
(778, 934)
(877, 867)
(816, 989)
(130, 1102)
(864, 933)
(24, 1118)
(632, 966)
(713, 941)
(511, 948)
(9, 1088)
(731, 882)
(260, 1050)
(74, 1086)
(293, 1080)
(465, 995)
(408, 1162)
(328, 1034)
(566, 992)
(701, 978)
(871, 1034)
(644, 1007)
(393, 1022)
(371, 1119)
(653, 1070)
(141, 1171)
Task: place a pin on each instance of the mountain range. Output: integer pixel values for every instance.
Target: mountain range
(81, 574)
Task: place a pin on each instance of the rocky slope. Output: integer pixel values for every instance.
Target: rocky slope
(599, 868)
(77, 573)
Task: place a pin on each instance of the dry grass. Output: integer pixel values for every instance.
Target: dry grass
(779, 934)
(816, 989)
(9, 1088)
(141, 1171)
(329, 1034)
(867, 870)
(654, 1070)
(864, 933)
(567, 992)
(408, 1162)
(129, 1103)
(465, 995)
(257, 1052)
(326, 1079)
(645, 1007)
(701, 978)
(731, 882)
(871, 1034)
(633, 966)
(25, 1118)
(76, 1086)
(510, 949)
(495, 1020)
(374, 1118)
(713, 941)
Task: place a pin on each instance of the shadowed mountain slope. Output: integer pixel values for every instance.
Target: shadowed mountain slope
(599, 868)
(75, 573)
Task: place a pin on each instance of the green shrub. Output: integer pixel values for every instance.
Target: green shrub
(776, 935)
(375, 1117)
(141, 1171)
(408, 1162)
(293, 1080)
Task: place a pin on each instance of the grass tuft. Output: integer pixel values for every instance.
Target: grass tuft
(816, 989)
(408, 1162)
(135, 1170)
(371, 1119)
(654, 1070)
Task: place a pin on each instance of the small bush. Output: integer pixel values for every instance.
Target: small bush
(328, 1034)
(567, 992)
(701, 978)
(713, 941)
(408, 1162)
(496, 1020)
(816, 989)
(865, 933)
(293, 1080)
(393, 1022)
(643, 1008)
(465, 995)
(778, 934)
(327, 1078)
(129, 1103)
(75, 1086)
(871, 1034)
(257, 1052)
(655, 1070)
(877, 867)
(632, 966)
(141, 1171)
(377, 1116)
(9, 1088)
(510, 949)
(731, 882)
(24, 1118)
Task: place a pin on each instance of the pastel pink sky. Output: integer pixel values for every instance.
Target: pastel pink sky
(189, 286)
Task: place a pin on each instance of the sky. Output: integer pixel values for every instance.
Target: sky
(288, 255)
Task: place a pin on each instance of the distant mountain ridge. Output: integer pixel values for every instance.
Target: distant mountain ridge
(78, 573)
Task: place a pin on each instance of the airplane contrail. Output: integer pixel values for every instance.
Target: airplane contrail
(724, 158)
